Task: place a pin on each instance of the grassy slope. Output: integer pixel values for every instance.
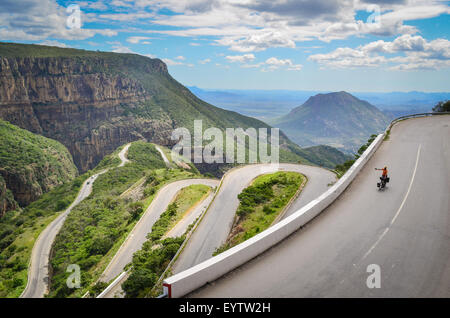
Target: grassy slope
(326, 156)
(40, 162)
(95, 229)
(260, 204)
(150, 262)
(19, 231)
(169, 99)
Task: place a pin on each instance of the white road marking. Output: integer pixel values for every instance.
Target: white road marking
(399, 209)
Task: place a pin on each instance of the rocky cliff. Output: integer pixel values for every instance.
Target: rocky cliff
(93, 102)
(74, 101)
(30, 165)
(7, 202)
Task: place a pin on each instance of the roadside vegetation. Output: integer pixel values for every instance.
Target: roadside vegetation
(96, 228)
(30, 165)
(442, 107)
(260, 204)
(150, 262)
(341, 169)
(19, 230)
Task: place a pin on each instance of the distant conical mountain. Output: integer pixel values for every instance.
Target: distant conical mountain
(336, 119)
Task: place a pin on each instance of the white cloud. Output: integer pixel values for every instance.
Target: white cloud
(255, 25)
(240, 58)
(257, 42)
(418, 54)
(205, 61)
(171, 62)
(39, 20)
(177, 61)
(119, 48)
(271, 63)
(137, 39)
(120, 3)
(274, 63)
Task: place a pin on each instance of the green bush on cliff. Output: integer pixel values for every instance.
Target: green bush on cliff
(32, 163)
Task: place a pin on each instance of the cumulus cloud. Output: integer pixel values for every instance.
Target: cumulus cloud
(137, 39)
(255, 25)
(39, 20)
(274, 63)
(257, 42)
(240, 58)
(177, 62)
(205, 61)
(271, 63)
(418, 54)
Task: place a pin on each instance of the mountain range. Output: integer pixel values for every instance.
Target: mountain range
(270, 104)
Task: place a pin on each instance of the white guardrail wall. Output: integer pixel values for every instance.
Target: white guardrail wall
(191, 279)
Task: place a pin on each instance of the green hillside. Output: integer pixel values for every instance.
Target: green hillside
(30, 164)
(156, 103)
(325, 156)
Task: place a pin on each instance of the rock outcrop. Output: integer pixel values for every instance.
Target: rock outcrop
(74, 102)
(93, 102)
(30, 165)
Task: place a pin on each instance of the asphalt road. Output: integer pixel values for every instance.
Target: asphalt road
(37, 285)
(123, 155)
(405, 230)
(138, 235)
(216, 225)
(163, 155)
(178, 230)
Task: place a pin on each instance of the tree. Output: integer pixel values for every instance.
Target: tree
(138, 281)
(136, 209)
(442, 107)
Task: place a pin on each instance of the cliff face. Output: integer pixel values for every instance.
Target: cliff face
(72, 101)
(93, 102)
(6, 198)
(30, 165)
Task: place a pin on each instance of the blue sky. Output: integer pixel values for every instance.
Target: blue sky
(332, 45)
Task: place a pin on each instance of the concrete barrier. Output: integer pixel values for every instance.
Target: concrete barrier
(217, 266)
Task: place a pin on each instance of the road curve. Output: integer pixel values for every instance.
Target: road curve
(216, 225)
(163, 155)
(123, 155)
(405, 230)
(138, 235)
(37, 284)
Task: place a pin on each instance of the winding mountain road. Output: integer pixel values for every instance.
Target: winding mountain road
(216, 225)
(163, 155)
(138, 235)
(37, 285)
(404, 230)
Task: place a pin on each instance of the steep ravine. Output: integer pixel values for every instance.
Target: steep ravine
(72, 101)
